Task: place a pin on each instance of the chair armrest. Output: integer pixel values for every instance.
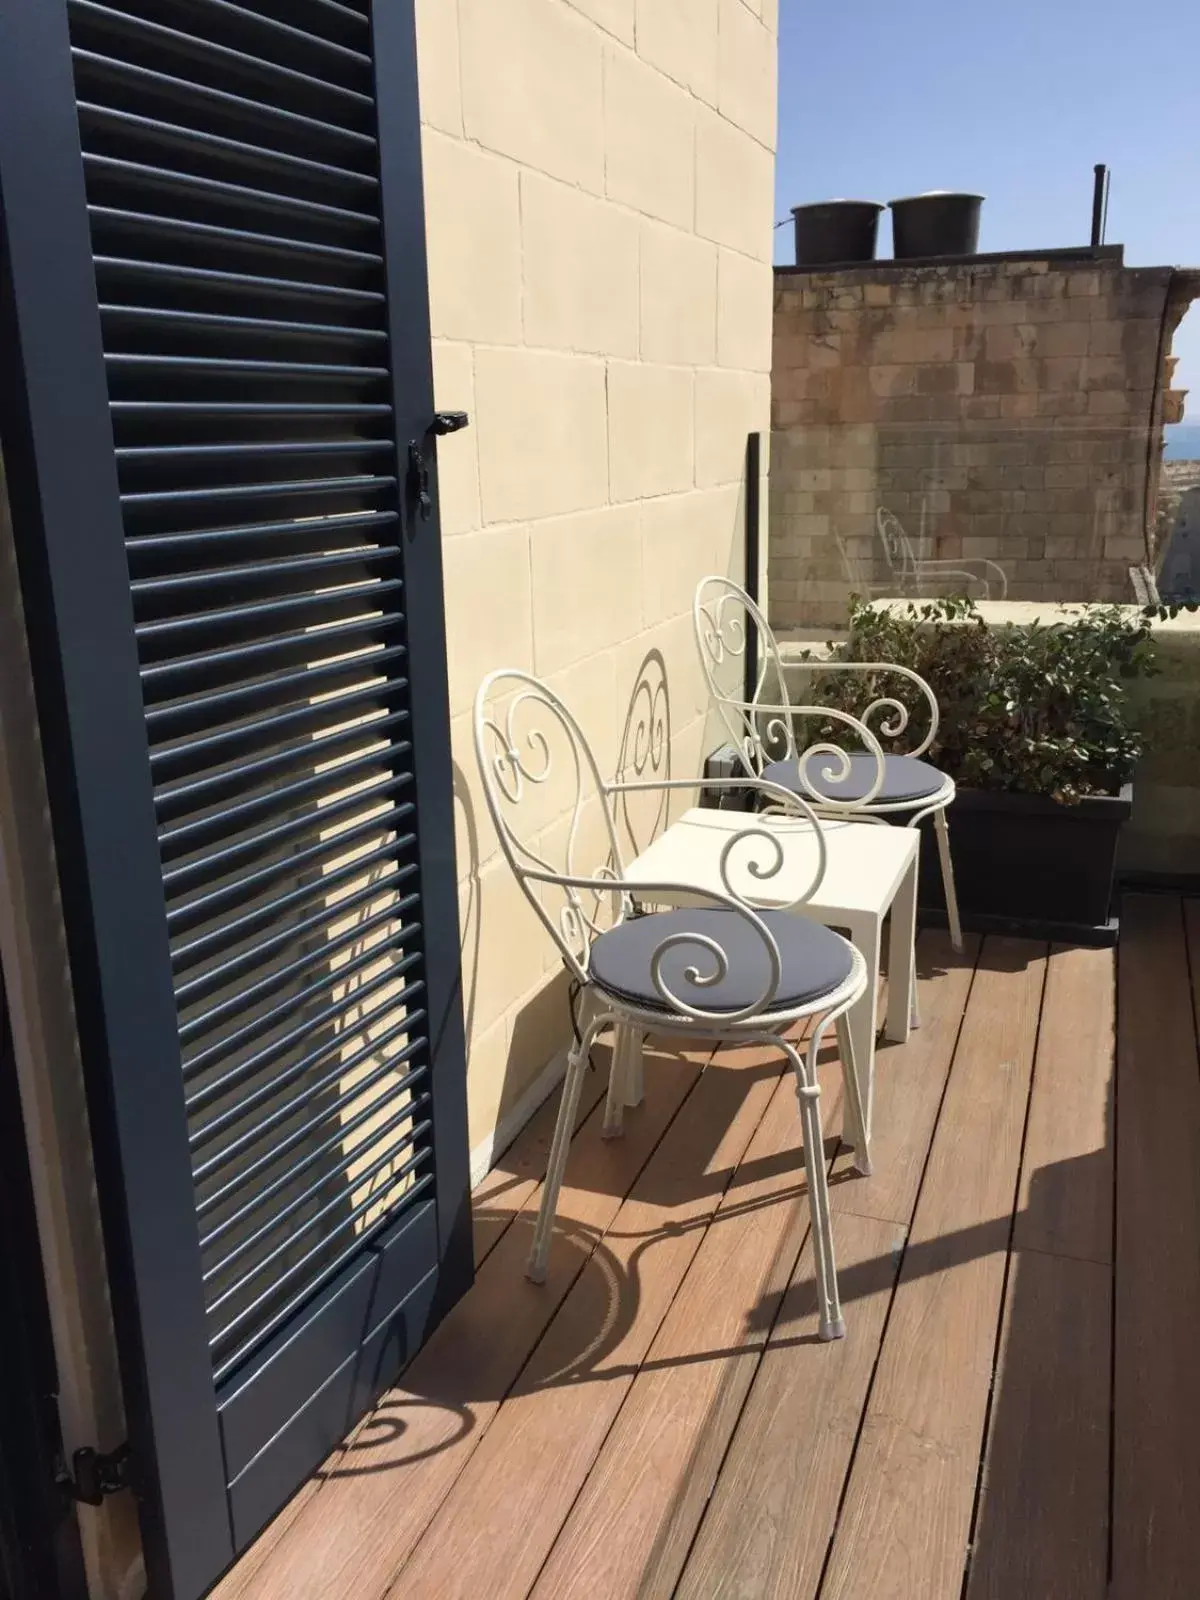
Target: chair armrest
(961, 568)
(787, 799)
(883, 704)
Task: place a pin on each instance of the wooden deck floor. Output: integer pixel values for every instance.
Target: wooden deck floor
(1013, 1415)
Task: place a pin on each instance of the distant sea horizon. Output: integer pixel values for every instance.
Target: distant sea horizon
(1183, 441)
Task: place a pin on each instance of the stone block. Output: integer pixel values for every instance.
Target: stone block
(1017, 376)
(979, 546)
(458, 456)
(581, 270)
(743, 312)
(583, 598)
(735, 182)
(473, 234)
(649, 140)
(438, 71)
(1063, 374)
(906, 346)
(679, 297)
(1108, 372)
(554, 404)
(981, 407)
(614, 16)
(546, 107)
(1010, 341)
(893, 379)
(1066, 403)
(1131, 551)
(679, 37)
(1064, 339)
(1067, 477)
(651, 438)
(746, 69)
(1110, 403)
(488, 608)
(729, 405)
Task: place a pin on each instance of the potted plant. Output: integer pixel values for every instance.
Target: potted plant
(1035, 729)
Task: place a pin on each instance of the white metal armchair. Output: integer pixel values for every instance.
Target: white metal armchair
(866, 783)
(912, 573)
(727, 970)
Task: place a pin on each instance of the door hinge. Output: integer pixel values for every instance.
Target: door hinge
(97, 1474)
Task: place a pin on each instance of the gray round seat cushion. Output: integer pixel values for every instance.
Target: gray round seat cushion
(814, 961)
(904, 778)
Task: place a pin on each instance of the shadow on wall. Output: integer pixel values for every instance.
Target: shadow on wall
(644, 754)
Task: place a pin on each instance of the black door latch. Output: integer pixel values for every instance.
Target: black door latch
(418, 477)
(418, 468)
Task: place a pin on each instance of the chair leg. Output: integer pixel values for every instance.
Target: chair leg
(854, 1098)
(808, 1091)
(618, 1082)
(942, 829)
(535, 1269)
(635, 1078)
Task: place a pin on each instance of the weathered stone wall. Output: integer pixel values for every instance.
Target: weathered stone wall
(1007, 410)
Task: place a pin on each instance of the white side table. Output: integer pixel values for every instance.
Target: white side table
(870, 869)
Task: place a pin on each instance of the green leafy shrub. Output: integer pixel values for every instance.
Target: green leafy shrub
(1040, 709)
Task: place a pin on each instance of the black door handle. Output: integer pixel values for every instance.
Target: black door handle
(449, 422)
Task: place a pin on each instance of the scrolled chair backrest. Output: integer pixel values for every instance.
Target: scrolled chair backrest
(762, 729)
(526, 738)
(528, 745)
(897, 546)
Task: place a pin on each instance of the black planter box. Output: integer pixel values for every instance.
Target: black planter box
(1025, 864)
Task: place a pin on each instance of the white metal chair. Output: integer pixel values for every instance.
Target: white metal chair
(912, 573)
(763, 730)
(727, 971)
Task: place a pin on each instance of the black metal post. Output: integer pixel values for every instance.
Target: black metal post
(1099, 204)
(753, 480)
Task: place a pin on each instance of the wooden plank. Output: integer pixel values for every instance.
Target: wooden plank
(352, 1537)
(768, 1525)
(631, 1528)
(1156, 1486)
(906, 1520)
(1065, 1204)
(495, 1530)
(909, 1082)
(1042, 1527)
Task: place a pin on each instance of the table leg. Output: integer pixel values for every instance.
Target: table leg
(863, 1014)
(902, 989)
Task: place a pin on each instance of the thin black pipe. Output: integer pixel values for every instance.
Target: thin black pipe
(753, 483)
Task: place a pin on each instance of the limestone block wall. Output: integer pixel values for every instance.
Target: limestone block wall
(1002, 409)
(599, 181)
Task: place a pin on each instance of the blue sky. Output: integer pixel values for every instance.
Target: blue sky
(1014, 99)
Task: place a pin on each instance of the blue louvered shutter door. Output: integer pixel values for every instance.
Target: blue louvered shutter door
(217, 406)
